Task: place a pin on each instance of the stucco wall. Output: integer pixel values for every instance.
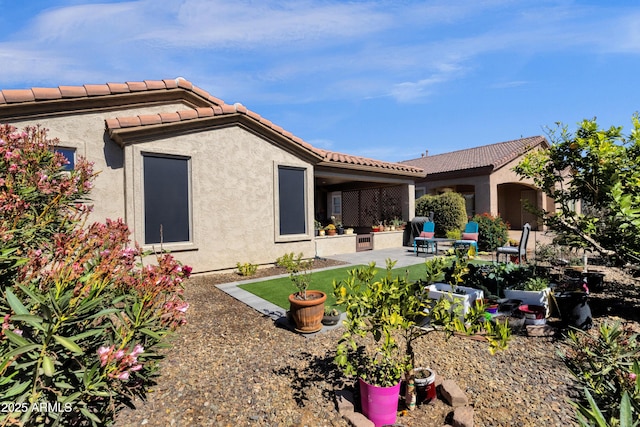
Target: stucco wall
(232, 187)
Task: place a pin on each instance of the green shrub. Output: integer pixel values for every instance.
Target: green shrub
(83, 319)
(449, 211)
(605, 364)
(493, 232)
(247, 269)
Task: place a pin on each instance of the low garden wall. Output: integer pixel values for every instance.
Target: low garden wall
(387, 239)
(335, 245)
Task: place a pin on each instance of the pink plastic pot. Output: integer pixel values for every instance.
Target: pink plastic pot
(379, 404)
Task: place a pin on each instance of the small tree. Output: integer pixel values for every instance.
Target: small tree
(601, 169)
(493, 231)
(83, 319)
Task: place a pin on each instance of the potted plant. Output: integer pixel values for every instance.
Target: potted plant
(348, 230)
(306, 307)
(377, 344)
(331, 316)
(533, 291)
(317, 225)
(331, 230)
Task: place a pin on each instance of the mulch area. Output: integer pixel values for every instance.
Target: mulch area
(232, 366)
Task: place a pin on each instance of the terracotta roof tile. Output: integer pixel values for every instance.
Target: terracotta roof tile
(73, 91)
(494, 156)
(206, 111)
(137, 86)
(118, 87)
(97, 90)
(188, 114)
(170, 117)
(150, 119)
(155, 84)
(217, 107)
(18, 95)
(112, 124)
(127, 122)
(185, 84)
(45, 93)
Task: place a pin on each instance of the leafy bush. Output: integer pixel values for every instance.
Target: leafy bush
(449, 211)
(247, 269)
(83, 319)
(606, 366)
(493, 231)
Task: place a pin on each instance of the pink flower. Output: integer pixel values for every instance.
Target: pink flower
(138, 349)
(632, 376)
(123, 376)
(183, 307)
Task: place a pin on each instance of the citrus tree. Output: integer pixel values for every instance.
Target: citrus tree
(600, 170)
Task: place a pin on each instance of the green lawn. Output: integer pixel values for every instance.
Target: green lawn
(277, 291)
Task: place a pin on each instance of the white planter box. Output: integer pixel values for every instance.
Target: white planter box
(530, 297)
(444, 290)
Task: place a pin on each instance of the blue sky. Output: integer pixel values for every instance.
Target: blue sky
(382, 79)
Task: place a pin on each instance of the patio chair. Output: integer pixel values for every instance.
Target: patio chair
(520, 251)
(422, 241)
(469, 237)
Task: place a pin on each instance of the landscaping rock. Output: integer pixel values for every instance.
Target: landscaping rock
(452, 394)
(356, 419)
(345, 402)
(463, 416)
(540, 330)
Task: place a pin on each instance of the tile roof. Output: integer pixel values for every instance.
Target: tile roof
(492, 156)
(210, 107)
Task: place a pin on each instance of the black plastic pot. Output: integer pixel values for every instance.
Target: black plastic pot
(574, 309)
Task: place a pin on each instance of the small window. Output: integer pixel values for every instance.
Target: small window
(69, 154)
(420, 191)
(336, 204)
(166, 199)
(292, 200)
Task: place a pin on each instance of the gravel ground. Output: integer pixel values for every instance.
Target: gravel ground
(231, 366)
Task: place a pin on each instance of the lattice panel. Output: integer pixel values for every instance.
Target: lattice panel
(369, 207)
(390, 205)
(351, 208)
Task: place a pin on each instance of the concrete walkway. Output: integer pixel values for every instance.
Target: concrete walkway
(404, 257)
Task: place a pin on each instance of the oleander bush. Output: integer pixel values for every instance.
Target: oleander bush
(493, 231)
(83, 320)
(605, 364)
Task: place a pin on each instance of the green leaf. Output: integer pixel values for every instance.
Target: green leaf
(15, 352)
(71, 397)
(15, 303)
(90, 415)
(47, 366)
(16, 389)
(68, 344)
(15, 338)
(152, 334)
(32, 294)
(31, 319)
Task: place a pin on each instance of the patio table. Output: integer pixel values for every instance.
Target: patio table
(422, 242)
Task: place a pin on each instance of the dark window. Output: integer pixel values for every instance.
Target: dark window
(166, 199)
(291, 186)
(70, 155)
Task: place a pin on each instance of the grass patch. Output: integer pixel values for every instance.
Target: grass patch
(277, 291)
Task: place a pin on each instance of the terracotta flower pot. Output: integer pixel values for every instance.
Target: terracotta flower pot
(307, 314)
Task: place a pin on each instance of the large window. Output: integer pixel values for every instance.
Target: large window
(291, 195)
(166, 199)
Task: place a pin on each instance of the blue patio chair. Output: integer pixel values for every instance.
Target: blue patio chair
(422, 241)
(469, 237)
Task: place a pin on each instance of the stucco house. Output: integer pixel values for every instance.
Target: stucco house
(484, 176)
(214, 183)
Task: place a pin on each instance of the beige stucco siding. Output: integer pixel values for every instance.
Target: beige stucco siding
(234, 197)
(86, 133)
(233, 188)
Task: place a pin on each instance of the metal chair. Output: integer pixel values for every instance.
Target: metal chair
(469, 236)
(519, 251)
(422, 241)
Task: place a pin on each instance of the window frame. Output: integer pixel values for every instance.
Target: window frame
(170, 246)
(306, 235)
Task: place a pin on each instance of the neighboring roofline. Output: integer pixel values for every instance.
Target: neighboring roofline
(205, 110)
